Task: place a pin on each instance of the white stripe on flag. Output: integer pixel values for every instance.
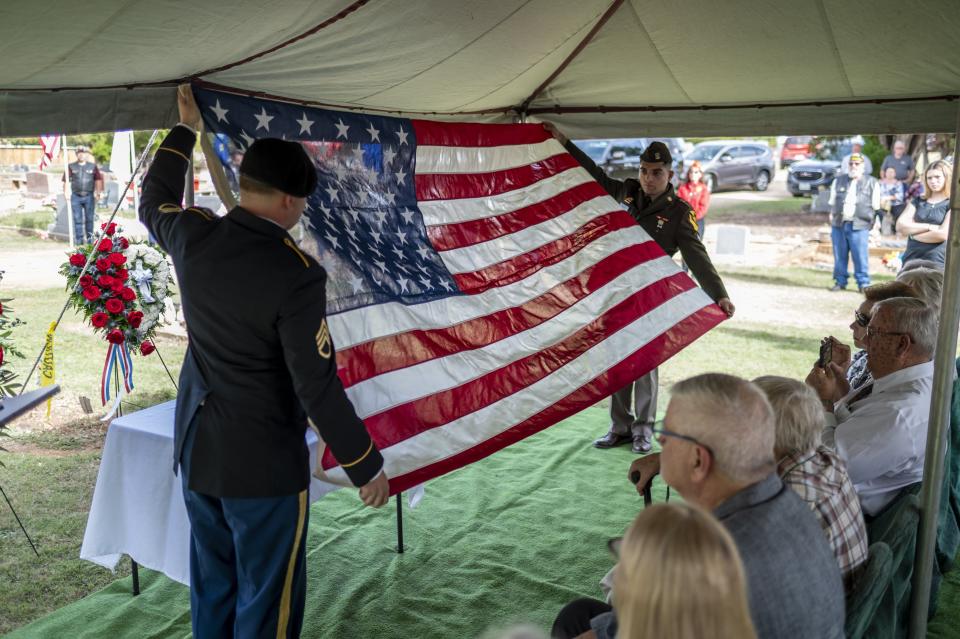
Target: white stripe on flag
(358, 325)
(464, 210)
(483, 159)
(461, 434)
(478, 256)
(384, 391)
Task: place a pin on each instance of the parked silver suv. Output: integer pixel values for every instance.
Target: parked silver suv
(734, 163)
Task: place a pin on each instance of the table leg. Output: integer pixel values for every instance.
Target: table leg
(400, 522)
(136, 577)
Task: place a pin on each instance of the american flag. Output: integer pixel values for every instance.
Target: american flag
(50, 144)
(482, 286)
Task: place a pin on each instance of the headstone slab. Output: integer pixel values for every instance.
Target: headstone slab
(60, 229)
(731, 240)
(40, 183)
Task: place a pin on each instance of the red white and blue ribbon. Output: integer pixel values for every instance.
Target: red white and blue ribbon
(117, 355)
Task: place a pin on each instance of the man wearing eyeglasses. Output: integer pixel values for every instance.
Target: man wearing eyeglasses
(880, 429)
(717, 443)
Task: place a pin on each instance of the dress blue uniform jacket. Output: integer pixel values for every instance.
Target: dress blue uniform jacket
(260, 358)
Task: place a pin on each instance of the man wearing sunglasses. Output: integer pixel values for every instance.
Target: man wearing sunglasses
(880, 429)
(717, 452)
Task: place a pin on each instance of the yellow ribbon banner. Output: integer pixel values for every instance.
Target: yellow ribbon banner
(48, 372)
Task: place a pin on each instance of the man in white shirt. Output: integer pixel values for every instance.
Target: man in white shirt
(880, 430)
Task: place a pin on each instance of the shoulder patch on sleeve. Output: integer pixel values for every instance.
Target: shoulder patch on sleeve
(324, 345)
(296, 249)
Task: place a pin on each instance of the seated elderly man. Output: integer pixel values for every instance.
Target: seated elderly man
(815, 472)
(880, 430)
(717, 451)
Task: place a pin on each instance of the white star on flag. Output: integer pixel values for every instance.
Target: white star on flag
(332, 192)
(401, 177)
(381, 216)
(341, 128)
(389, 198)
(305, 124)
(402, 135)
(246, 138)
(374, 133)
(263, 120)
(407, 215)
(332, 239)
(220, 112)
(357, 284)
(376, 237)
(388, 155)
(358, 153)
(402, 237)
(424, 253)
(402, 281)
(399, 253)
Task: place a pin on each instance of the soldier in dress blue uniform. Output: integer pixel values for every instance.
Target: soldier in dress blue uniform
(672, 223)
(260, 362)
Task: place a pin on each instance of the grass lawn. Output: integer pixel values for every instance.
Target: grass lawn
(51, 471)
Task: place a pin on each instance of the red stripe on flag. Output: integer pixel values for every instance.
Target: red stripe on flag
(429, 132)
(457, 235)
(394, 352)
(455, 186)
(412, 418)
(644, 360)
(524, 265)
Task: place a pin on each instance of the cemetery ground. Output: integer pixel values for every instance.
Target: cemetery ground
(49, 471)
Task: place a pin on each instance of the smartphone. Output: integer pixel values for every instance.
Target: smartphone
(826, 352)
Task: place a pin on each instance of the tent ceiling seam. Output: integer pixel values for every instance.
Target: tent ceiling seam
(452, 54)
(614, 6)
(323, 25)
(520, 108)
(656, 52)
(559, 110)
(834, 47)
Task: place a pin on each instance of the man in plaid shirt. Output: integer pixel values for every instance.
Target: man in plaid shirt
(815, 472)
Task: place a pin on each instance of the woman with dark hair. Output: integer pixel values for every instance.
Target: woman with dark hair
(696, 193)
(926, 219)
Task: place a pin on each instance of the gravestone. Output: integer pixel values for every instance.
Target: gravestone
(821, 202)
(113, 193)
(60, 229)
(731, 240)
(40, 183)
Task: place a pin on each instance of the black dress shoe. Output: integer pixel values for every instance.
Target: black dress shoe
(641, 444)
(837, 287)
(611, 439)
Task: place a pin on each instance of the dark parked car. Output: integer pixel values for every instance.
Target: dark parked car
(807, 177)
(735, 163)
(620, 158)
(794, 149)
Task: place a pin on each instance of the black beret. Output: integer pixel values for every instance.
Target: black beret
(657, 152)
(281, 164)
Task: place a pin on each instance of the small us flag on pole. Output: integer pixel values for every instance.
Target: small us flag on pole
(482, 286)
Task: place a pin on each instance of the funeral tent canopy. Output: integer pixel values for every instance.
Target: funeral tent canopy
(598, 67)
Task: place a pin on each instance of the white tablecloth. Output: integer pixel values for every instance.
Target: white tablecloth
(137, 507)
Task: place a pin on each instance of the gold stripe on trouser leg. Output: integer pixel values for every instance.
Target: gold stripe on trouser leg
(284, 616)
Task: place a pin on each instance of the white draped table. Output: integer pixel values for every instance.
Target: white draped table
(137, 507)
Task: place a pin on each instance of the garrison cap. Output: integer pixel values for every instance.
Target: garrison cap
(657, 152)
(280, 164)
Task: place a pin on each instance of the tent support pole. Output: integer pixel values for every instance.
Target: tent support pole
(939, 424)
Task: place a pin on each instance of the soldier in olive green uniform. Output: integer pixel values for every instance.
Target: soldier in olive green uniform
(672, 223)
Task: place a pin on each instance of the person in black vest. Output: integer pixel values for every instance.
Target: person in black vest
(672, 223)
(854, 203)
(86, 184)
(260, 356)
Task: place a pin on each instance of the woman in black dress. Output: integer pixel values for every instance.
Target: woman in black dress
(926, 219)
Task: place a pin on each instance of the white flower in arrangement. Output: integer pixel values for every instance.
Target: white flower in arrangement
(150, 278)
